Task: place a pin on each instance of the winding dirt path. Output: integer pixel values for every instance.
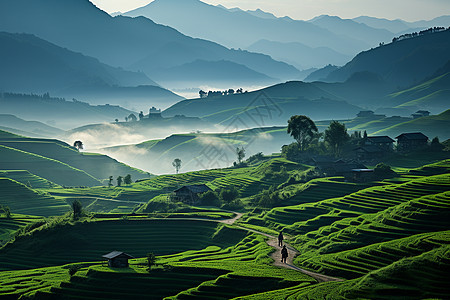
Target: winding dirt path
(273, 242)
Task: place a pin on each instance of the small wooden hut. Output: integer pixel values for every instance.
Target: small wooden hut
(117, 259)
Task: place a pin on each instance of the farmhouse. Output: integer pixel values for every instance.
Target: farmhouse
(117, 259)
(411, 141)
(189, 194)
(369, 152)
(383, 142)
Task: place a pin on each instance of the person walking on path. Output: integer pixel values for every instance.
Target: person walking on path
(284, 254)
(280, 239)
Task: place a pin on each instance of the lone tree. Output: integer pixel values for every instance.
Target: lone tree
(302, 129)
(336, 136)
(77, 209)
(176, 164)
(240, 152)
(78, 145)
(119, 180)
(127, 180)
(110, 181)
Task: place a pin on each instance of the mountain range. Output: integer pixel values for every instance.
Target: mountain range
(46, 68)
(138, 44)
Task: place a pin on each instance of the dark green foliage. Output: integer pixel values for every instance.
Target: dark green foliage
(151, 260)
(127, 180)
(383, 171)
(336, 136)
(436, 146)
(77, 209)
(110, 180)
(229, 194)
(291, 152)
(210, 198)
(256, 158)
(302, 129)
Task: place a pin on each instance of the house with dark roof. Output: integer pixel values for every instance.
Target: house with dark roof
(384, 142)
(411, 141)
(189, 194)
(369, 152)
(117, 259)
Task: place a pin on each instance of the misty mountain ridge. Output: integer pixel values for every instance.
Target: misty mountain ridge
(44, 67)
(123, 41)
(243, 28)
(298, 54)
(401, 63)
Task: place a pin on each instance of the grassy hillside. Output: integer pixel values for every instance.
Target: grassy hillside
(431, 126)
(98, 166)
(53, 170)
(431, 95)
(23, 200)
(28, 179)
(10, 226)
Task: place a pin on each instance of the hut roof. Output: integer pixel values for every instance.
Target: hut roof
(197, 188)
(380, 139)
(115, 254)
(413, 136)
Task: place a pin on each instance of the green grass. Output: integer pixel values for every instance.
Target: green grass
(23, 200)
(209, 273)
(50, 169)
(9, 226)
(88, 241)
(304, 218)
(27, 178)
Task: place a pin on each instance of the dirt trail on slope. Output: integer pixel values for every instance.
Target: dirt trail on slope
(273, 242)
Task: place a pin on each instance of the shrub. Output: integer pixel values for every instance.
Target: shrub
(383, 171)
(210, 198)
(229, 194)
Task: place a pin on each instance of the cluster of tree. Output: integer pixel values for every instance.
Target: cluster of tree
(308, 139)
(45, 96)
(77, 210)
(227, 198)
(415, 34)
(126, 180)
(204, 94)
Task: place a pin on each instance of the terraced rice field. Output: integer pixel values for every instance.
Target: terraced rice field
(53, 170)
(90, 240)
(23, 200)
(304, 218)
(154, 285)
(8, 226)
(27, 178)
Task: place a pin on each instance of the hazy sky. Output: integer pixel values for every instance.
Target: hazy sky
(410, 10)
